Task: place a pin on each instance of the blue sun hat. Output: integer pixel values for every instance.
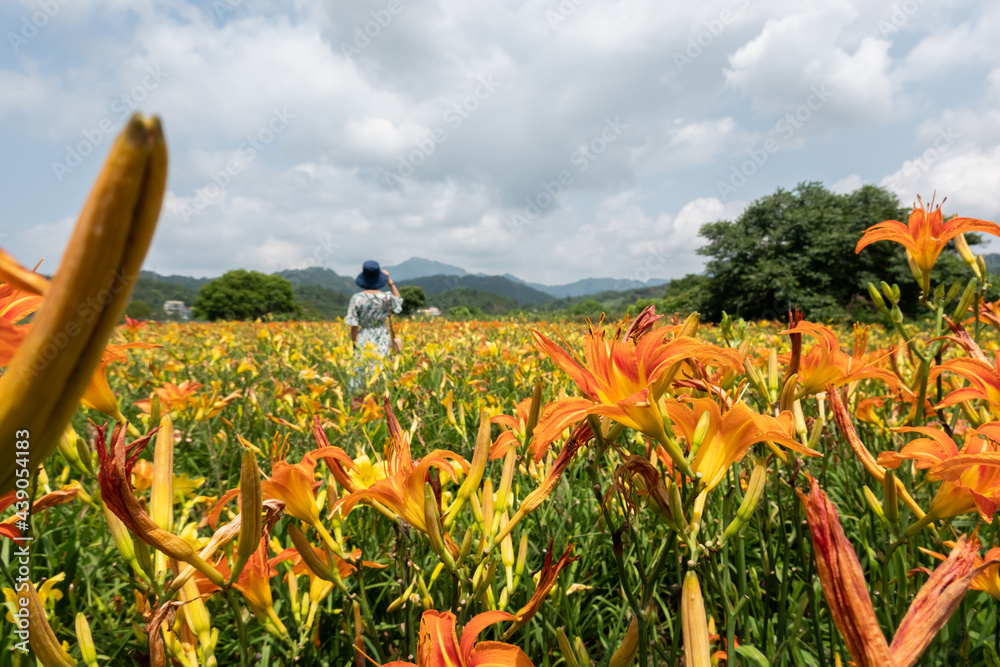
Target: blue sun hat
(371, 276)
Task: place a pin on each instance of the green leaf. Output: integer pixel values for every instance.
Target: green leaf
(752, 655)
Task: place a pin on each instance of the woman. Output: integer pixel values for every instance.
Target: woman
(366, 315)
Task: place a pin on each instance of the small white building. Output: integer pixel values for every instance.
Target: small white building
(433, 311)
(177, 308)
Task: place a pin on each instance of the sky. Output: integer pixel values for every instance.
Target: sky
(552, 139)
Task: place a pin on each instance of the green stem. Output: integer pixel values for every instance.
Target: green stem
(241, 628)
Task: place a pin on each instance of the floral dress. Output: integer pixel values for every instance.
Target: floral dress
(368, 312)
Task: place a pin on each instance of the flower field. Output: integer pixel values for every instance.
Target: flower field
(656, 491)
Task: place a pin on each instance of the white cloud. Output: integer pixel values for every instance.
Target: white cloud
(317, 191)
(780, 69)
(847, 185)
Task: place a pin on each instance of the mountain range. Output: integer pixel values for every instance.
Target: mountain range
(437, 277)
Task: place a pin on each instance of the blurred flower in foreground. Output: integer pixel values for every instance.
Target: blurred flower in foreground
(846, 592)
(988, 579)
(49, 373)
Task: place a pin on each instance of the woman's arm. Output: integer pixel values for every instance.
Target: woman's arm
(392, 285)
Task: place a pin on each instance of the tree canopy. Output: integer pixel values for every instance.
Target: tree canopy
(413, 298)
(795, 249)
(246, 295)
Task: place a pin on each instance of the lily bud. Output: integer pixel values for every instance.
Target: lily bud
(466, 547)
(581, 653)
(694, 623)
(507, 554)
(785, 399)
(142, 556)
(40, 391)
(522, 557)
(122, 540)
(434, 528)
(533, 412)
(889, 292)
(85, 640)
(161, 495)
(891, 503)
(626, 652)
(44, 644)
(398, 602)
(700, 431)
(503, 491)
(67, 447)
(962, 246)
(755, 489)
(567, 650)
(968, 297)
(480, 456)
(772, 375)
(874, 504)
(251, 507)
(981, 263)
(309, 557)
(154, 408)
(877, 298)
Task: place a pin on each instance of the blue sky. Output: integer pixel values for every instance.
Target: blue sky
(555, 140)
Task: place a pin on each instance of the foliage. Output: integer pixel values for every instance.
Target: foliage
(519, 293)
(155, 292)
(320, 303)
(795, 249)
(413, 298)
(139, 310)
(472, 299)
(245, 295)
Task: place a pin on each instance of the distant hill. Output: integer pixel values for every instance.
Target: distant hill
(320, 277)
(491, 304)
(521, 294)
(184, 281)
(418, 267)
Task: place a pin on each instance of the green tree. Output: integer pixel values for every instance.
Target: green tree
(246, 295)
(139, 310)
(413, 298)
(795, 249)
(591, 308)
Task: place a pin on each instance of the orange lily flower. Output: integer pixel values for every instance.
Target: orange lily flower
(620, 379)
(514, 432)
(254, 583)
(988, 579)
(846, 593)
(925, 236)
(970, 482)
(825, 363)
(984, 378)
(729, 435)
(293, 484)
(173, 397)
(16, 303)
(439, 646)
(402, 490)
(98, 394)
